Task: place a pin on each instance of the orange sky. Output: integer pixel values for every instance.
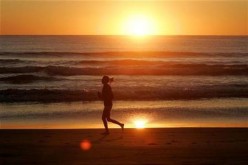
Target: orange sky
(60, 17)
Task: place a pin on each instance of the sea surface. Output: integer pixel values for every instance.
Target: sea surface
(167, 81)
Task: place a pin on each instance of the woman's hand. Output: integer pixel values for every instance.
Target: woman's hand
(99, 95)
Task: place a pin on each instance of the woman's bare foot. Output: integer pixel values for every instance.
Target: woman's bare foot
(122, 127)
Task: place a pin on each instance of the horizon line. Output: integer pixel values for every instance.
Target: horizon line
(123, 35)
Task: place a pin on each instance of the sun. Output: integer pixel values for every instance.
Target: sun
(139, 25)
(140, 123)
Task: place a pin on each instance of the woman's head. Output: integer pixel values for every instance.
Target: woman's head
(106, 79)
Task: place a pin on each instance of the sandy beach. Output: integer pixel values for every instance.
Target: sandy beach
(186, 146)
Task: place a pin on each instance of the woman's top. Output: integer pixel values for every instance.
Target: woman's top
(107, 95)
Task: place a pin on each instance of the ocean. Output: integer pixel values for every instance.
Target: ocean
(168, 81)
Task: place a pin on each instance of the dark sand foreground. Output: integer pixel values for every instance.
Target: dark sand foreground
(184, 146)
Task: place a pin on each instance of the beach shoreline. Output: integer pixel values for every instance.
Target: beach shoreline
(133, 146)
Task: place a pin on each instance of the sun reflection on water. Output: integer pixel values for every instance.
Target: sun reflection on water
(140, 123)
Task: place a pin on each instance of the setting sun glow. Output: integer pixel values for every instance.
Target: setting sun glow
(139, 26)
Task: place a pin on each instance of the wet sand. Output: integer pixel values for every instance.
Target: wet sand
(184, 146)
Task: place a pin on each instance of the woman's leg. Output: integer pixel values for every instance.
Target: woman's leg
(112, 120)
(104, 119)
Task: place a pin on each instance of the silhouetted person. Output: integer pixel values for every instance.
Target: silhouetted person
(107, 97)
